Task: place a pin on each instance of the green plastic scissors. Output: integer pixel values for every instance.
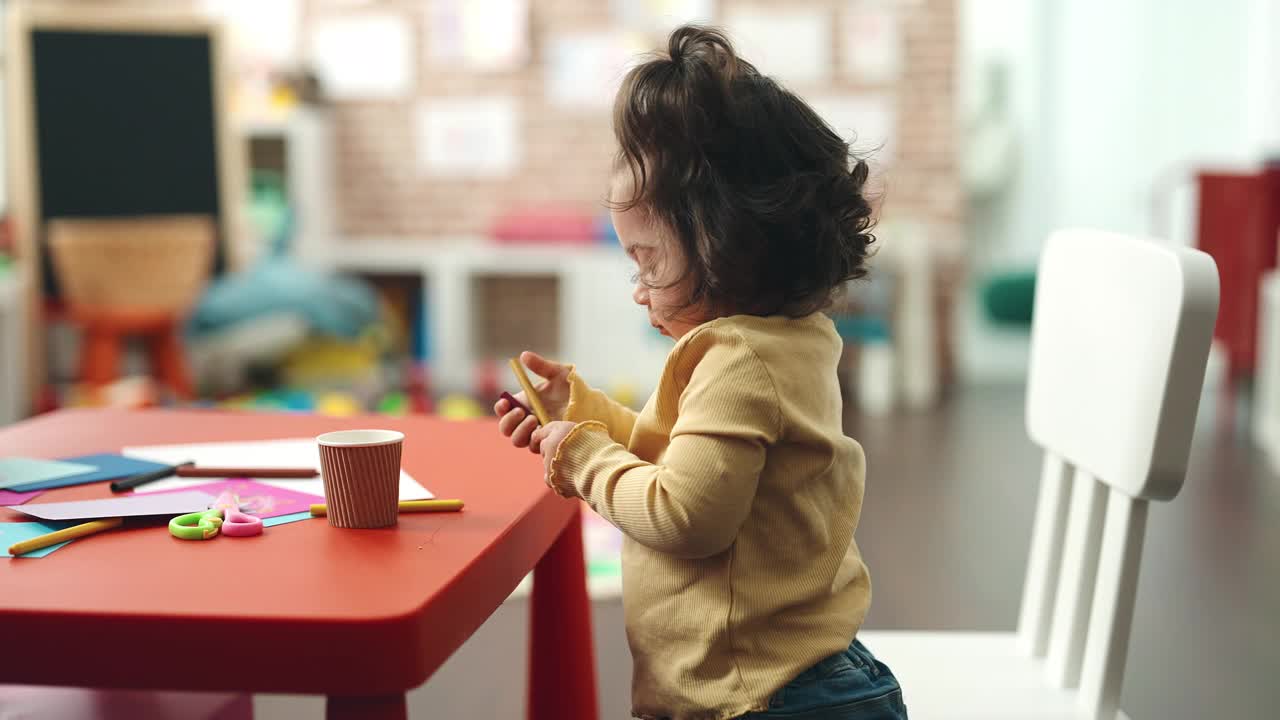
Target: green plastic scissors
(223, 516)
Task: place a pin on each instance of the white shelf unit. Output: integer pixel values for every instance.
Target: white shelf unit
(13, 346)
(307, 138)
(601, 329)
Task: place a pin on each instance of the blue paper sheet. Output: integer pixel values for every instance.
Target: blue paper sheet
(13, 532)
(18, 471)
(282, 519)
(109, 467)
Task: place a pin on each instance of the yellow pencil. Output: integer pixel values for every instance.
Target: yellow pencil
(408, 506)
(535, 402)
(71, 533)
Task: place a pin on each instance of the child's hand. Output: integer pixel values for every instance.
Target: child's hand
(547, 439)
(553, 391)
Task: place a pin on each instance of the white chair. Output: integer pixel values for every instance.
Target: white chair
(1119, 344)
(1265, 423)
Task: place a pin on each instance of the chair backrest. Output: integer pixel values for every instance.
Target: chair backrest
(1120, 338)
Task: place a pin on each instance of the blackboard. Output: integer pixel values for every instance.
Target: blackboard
(126, 125)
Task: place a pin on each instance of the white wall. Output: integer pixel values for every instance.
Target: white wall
(1007, 32)
(4, 133)
(1115, 102)
(1262, 80)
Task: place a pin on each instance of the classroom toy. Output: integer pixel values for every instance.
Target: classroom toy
(297, 400)
(457, 406)
(487, 379)
(337, 404)
(419, 389)
(395, 402)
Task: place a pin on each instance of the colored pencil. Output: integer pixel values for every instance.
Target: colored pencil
(71, 533)
(234, 472)
(408, 506)
(529, 393)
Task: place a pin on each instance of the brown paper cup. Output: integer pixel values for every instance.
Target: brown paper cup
(361, 473)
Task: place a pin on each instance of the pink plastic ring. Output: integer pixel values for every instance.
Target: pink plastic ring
(237, 524)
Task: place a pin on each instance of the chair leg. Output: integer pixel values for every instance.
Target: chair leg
(169, 364)
(99, 356)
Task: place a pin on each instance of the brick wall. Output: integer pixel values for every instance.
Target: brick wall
(566, 153)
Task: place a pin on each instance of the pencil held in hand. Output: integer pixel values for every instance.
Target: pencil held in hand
(529, 393)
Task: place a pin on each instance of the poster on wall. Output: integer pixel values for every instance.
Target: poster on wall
(584, 70)
(362, 56)
(660, 17)
(261, 33)
(871, 41)
(790, 45)
(478, 35)
(869, 122)
(476, 137)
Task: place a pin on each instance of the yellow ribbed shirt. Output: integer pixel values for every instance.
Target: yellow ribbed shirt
(738, 493)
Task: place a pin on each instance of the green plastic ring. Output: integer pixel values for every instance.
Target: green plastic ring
(197, 525)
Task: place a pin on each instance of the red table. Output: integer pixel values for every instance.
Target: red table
(360, 616)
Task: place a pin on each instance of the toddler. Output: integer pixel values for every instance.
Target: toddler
(735, 486)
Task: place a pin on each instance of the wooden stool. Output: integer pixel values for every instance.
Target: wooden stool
(105, 333)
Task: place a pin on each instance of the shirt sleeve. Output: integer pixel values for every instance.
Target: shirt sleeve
(693, 501)
(588, 404)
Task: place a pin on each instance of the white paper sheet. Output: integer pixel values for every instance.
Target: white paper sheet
(468, 137)
(480, 35)
(122, 506)
(260, 31)
(584, 70)
(791, 45)
(300, 452)
(363, 56)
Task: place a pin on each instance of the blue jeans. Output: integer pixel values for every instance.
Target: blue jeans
(850, 685)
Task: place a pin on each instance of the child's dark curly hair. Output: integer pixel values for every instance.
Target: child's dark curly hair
(765, 200)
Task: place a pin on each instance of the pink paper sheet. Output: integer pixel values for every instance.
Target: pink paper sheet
(259, 499)
(8, 497)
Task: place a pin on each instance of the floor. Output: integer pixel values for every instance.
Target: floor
(945, 525)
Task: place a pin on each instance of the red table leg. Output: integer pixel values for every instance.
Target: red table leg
(380, 707)
(562, 663)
